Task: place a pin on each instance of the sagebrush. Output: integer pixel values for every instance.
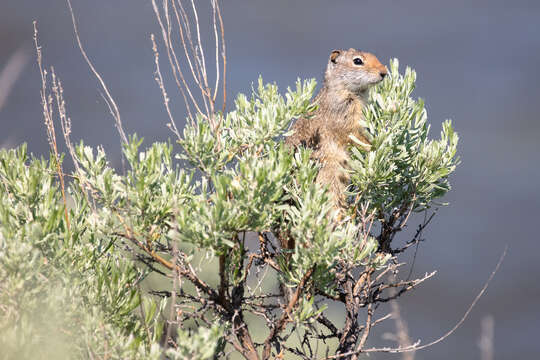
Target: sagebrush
(203, 213)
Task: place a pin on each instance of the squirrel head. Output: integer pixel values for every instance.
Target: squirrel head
(353, 70)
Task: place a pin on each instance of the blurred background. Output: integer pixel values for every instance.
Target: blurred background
(477, 63)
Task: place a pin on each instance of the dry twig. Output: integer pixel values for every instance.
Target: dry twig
(47, 104)
(180, 29)
(113, 108)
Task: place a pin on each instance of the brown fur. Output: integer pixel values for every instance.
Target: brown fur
(339, 114)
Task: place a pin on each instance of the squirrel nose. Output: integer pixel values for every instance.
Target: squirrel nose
(383, 74)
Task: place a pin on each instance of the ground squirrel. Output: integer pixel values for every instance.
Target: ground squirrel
(348, 76)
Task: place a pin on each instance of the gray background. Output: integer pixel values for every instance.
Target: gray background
(477, 63)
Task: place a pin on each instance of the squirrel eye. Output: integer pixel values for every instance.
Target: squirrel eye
(358, 61)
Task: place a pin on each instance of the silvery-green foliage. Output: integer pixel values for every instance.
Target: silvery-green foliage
(145, 198)
(404, 167)
(307, 312)
(244, 197)
(64, 292)
(320, 241)
(251, 128)
(201, 343)
(245, 169)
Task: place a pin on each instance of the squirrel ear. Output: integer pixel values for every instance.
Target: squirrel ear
(333, 55)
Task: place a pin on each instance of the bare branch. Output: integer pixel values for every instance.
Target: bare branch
(47, 104)
(194, 53)
(159, 80)
(108, 97)
(216, 39)
(200, 52)
(286, 314)
(186, 272)
(415, 346)
(173, 60)
(223, 54)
